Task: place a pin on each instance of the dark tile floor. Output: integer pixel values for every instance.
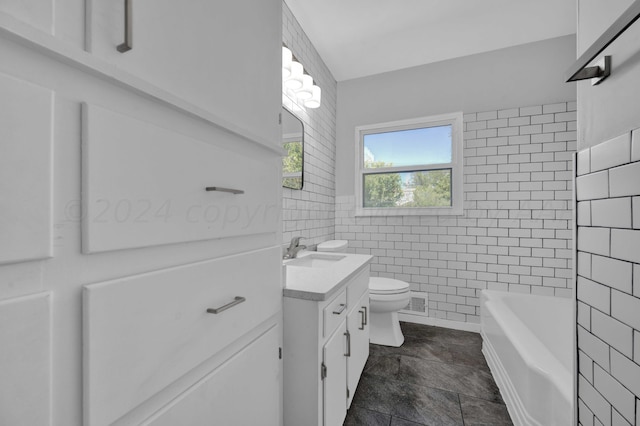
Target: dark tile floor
(438, 377)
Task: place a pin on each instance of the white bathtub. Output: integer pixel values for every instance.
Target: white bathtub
(528, 343)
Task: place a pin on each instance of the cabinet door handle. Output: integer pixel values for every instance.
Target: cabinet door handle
(236, 301)
(220, 189)
(362, 323)
(366, 316)
(340, 309)
(348, 343)
(128, 27)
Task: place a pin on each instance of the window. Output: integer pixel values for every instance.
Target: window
(410, 167)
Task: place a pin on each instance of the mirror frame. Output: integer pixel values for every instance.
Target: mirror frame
(286, 110)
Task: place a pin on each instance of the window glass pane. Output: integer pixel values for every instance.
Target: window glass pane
(428, 188)
(428, 145)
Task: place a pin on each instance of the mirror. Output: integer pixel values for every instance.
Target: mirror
(293, 143)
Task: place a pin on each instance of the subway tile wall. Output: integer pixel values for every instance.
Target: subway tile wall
(516, 231)
(608, 286)
(310, 212)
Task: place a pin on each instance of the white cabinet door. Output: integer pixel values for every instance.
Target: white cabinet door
(334, 384)
(26, 172)
(222, 56)
(244, 390)
(358, 326)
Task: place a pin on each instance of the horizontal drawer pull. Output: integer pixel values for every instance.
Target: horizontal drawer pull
(340, 309)
(236, 301)
(219, 189)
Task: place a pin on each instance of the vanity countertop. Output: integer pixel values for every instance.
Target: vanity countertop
(321, 283)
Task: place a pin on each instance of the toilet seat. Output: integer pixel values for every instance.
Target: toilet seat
(380, 285)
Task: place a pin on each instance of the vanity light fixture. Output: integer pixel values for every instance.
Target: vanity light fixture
(296, 83)
(314, 101)
(287, 57)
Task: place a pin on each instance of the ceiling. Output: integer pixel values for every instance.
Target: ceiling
(357, 38)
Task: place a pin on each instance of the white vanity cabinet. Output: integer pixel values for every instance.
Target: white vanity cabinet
(358, 328)
(194, 50)
(326, 340)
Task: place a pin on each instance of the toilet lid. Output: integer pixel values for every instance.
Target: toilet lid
(381, 285)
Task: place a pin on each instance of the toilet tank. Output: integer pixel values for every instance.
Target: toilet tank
(336, 246)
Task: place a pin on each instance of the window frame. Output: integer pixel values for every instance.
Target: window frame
(455, 120)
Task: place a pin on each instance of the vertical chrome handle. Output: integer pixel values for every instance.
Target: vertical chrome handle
(366, 316)
(348, 343)
(362, 323)
(128, 27)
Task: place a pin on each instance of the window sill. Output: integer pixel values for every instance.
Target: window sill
(395, 211)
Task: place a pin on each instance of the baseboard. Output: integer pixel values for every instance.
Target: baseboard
(438, 322)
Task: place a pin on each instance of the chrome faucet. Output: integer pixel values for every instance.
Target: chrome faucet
(294, 248)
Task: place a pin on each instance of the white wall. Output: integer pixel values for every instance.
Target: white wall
(310, 213)
(524, 75)
(608, 193)
(608, 110)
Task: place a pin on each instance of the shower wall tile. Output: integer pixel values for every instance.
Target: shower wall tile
(612, 390)
(611, 153)
(624, 180)
(612, 272)
(611, 212)
(310, 212)
(608, 285)
(592, 186)
(618, 420)
(516, 232)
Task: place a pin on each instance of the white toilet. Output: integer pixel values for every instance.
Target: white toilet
(386, 297)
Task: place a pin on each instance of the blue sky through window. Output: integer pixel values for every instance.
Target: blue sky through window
(429, 145)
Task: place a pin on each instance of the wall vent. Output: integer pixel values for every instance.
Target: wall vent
(418, 304)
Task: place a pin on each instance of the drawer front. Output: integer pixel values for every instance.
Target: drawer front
(143, 332)
(334, 313)
(357, 287)
(144, 185)
(245, 390)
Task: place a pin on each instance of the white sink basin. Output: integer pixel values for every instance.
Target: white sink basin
(315, 260)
